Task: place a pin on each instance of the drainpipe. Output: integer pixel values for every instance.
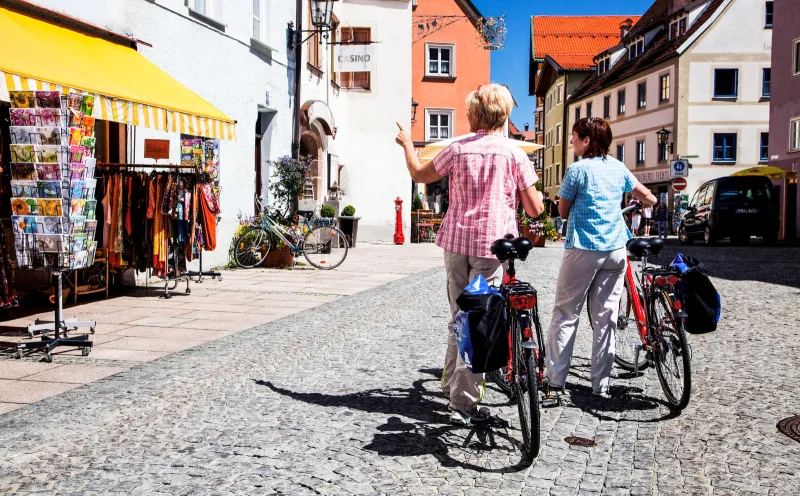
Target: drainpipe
(298, 53)
(564, 132)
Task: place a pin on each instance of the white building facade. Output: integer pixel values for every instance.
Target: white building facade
(348, 118)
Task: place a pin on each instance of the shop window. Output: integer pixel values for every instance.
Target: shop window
(794, 135)
(768, 15)
(621, 102)
(640, 152)
(440, 125)
(725, 147)
(621, 152)
(355, 80)
(664, 95)
(641, 89)
(766, 81)
(440, 60)
(607, 106)
(763, 156)
(726, 83)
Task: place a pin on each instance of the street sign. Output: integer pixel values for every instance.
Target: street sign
(679, 184)
(679, 168)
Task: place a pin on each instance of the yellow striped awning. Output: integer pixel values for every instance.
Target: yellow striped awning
(128, 88)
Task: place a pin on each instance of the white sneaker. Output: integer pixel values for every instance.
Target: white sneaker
(474, 416)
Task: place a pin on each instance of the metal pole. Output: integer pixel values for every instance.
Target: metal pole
(298, 55)
(59, 295)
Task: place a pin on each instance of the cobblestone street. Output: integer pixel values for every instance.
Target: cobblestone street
(343, 398)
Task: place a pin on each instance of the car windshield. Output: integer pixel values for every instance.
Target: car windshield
(737, 191)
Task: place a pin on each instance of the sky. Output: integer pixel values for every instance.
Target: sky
(510, 65)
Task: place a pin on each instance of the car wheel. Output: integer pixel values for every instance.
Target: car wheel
(683, 236)
(709, 237)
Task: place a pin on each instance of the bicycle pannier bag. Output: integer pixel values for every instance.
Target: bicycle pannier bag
(480, 327)
(699, 297)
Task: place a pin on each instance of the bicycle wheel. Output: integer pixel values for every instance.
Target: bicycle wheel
(500, 377)
(251, 247)
(325, 247)
(527, 392)
(627, 334)
(671, 353)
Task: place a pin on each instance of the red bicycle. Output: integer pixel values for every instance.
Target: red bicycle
(522, 378)
(651, 319)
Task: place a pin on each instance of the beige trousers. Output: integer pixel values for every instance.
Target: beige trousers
(598, 276)
(464, 388)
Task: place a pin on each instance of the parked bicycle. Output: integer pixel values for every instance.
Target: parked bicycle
(323, 246)
(522, 378)
(652, 320)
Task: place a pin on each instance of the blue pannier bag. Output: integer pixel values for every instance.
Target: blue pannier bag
(699, 297)
(480, 327)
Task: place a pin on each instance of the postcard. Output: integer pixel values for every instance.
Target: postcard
(87, 124)
(75, 136)
(80, 259)
(77, 207)
(48, 172)
(76, 118)
(23, 172)
(25, 224)
(78, 242)
(48, 117)
(78, 224)
(88, 142)
(49, 135)
(76, 172)
(28, 189)
(74, 101)
(91, 227)
(49, 189)
(48, 99)
(51, 243)
(76, 153)
(23, 117)
(51, 225)
(87, 106)
(23, 153)
(24, 206)
(77, 190)
(22, 99)
(50, 207)
(47, 153)
(89, 210)
(23, 135)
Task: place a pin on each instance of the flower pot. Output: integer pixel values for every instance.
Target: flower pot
(349, 226)
(279, 258)
(525, 232)
(538, 240)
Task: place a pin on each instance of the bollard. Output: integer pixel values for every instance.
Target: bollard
(399, 239)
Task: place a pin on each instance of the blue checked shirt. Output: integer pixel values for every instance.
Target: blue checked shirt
(595, 186)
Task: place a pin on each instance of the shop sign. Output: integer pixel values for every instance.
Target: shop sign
(156, 148)
(659, 176)
(353, 58)
(679, 168)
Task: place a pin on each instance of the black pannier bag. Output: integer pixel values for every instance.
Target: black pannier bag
(487, 328)
(699, 297)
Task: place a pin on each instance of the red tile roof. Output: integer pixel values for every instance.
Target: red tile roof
(573, 41)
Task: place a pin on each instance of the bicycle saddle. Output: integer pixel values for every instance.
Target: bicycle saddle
(511, 249)
(644, 247)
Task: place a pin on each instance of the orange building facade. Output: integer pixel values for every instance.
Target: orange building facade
(447, 63)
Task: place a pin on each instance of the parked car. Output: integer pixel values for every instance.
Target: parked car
(732, 207)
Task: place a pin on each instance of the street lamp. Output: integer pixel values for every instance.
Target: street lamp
(321, 11)
(414, 110)
(663, 140)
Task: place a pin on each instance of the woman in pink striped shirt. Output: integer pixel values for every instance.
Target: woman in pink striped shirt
(488, 176)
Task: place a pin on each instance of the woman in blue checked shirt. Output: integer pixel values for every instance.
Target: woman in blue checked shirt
(593, 266)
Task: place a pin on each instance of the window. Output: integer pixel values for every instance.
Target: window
(673, 30)
(207, 11)
(641, 100)
(260, 21)
(698, 197)
(607, 106)
(621, 102)
(768, 15)
(725, 147)
(558, 173)
(794, 135)
(726, 83)
(588, 110)
(558, 134)
(640, 152)
(763, 156)
(636, 49)
(355, 80)
(664, 96)
(560, 93)
(604, 65)
(682, 27)
(577, 114)
(621, 152)
(766, 79)
(796, 57)
(440, 60)
(662, 154)
(440, 124)
(333, 42)
(314, 47)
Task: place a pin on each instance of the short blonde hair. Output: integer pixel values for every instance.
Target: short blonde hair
(492, 103)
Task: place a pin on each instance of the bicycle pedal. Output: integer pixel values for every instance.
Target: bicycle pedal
(550, 401)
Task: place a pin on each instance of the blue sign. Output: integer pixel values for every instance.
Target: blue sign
(678, 168)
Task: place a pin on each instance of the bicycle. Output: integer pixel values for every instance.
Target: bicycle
(323, 246)
(522, 377)
(651, 305)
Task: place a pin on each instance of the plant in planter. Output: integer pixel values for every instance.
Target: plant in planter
(416, 203)
(291, 176)
(328, 212)
(348, 222)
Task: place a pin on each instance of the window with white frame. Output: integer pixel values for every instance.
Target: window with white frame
(621, 152)
(796, 52)
(558, 134)
(640, 152)
(260, 28)
(440, 124)
(635, 49)
(604, 65)
(664, 88)
(794, 135)
(208, 8)
(560, 93)
(440, 60)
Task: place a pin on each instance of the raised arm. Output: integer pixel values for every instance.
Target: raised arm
(418, 172)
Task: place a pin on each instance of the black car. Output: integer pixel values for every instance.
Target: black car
(732, 207)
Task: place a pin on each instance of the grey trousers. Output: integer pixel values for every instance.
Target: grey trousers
(598, 276)
(464, 388)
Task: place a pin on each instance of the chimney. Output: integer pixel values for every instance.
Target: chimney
(625, 28)
(526, 126)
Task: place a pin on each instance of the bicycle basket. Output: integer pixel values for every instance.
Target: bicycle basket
(323, 221)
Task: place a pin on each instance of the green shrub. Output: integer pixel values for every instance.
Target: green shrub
(416, 203)
(349, 211)
(328, 211)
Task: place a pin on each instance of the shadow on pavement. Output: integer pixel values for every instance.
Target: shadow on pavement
(429, 432)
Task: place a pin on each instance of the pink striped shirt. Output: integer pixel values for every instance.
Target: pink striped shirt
(485, 176)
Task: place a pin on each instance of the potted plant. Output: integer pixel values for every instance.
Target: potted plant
(348, 222)
(537, 232)
(291, 176)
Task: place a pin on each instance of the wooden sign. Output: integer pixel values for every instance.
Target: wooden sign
(156, 148)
